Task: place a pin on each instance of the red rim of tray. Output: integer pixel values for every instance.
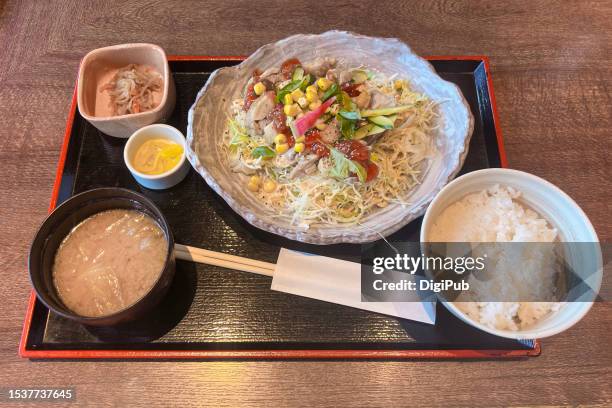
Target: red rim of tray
(263, 354)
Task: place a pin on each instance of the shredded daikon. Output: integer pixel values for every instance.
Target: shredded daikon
(131, 89)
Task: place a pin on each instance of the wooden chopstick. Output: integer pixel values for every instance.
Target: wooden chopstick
(193, 254)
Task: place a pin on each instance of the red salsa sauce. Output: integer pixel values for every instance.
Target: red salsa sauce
(279, 122)
(288, 66)
(312, 140)
(357, 151)
(371, 170)
(351, 89)
(353, 149)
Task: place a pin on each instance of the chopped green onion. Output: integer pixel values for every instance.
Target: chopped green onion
(333, 90)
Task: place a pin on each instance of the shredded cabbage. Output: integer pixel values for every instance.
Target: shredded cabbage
(328, 196)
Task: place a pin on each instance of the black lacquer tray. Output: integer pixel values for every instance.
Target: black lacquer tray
(213, 312)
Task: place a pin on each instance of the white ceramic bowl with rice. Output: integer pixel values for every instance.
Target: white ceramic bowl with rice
(549, 203)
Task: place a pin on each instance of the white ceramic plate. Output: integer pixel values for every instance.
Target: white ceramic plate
(208, 115)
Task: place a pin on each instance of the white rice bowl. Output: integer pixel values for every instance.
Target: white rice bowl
(502, 221)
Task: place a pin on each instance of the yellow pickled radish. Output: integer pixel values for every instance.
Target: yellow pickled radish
(157, 156)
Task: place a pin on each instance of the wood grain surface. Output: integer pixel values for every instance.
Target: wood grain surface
(552, 67)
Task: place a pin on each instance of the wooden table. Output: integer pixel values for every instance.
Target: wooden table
(551, 64)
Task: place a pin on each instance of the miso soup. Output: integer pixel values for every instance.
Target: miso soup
(109, 261)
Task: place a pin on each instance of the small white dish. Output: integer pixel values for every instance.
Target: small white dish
(158, 181)
(552, 204)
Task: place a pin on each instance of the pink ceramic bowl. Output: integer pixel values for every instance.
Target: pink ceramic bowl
(98, 67)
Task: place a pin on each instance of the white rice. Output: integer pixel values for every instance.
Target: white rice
(495, 215)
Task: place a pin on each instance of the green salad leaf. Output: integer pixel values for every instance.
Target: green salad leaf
(239, 135)
(343, 166)
(263, 151)
(347, 127)
(348, 116)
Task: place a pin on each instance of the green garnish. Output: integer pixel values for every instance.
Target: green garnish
(344, 166)
(298, 74)
(350, 115)
(306, 80)
(333, 90)
(347, 126)
(239, 135)
(385, 111)
(301, 83)
(263, 151)
(383, 121)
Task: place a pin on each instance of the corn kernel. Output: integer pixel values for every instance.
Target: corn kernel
(255, 179)
(323, 84)
(314, 105)
(269, 186)
(291, 110)
(311, 88)
(253, 187)
(259, 88)
(288, 99)
(300, 139)
(282, 148)
(321, 125)
(374, 157)
(280, 139)
(303, 102)
(312, 96)
(297, 94)
(299, 147)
